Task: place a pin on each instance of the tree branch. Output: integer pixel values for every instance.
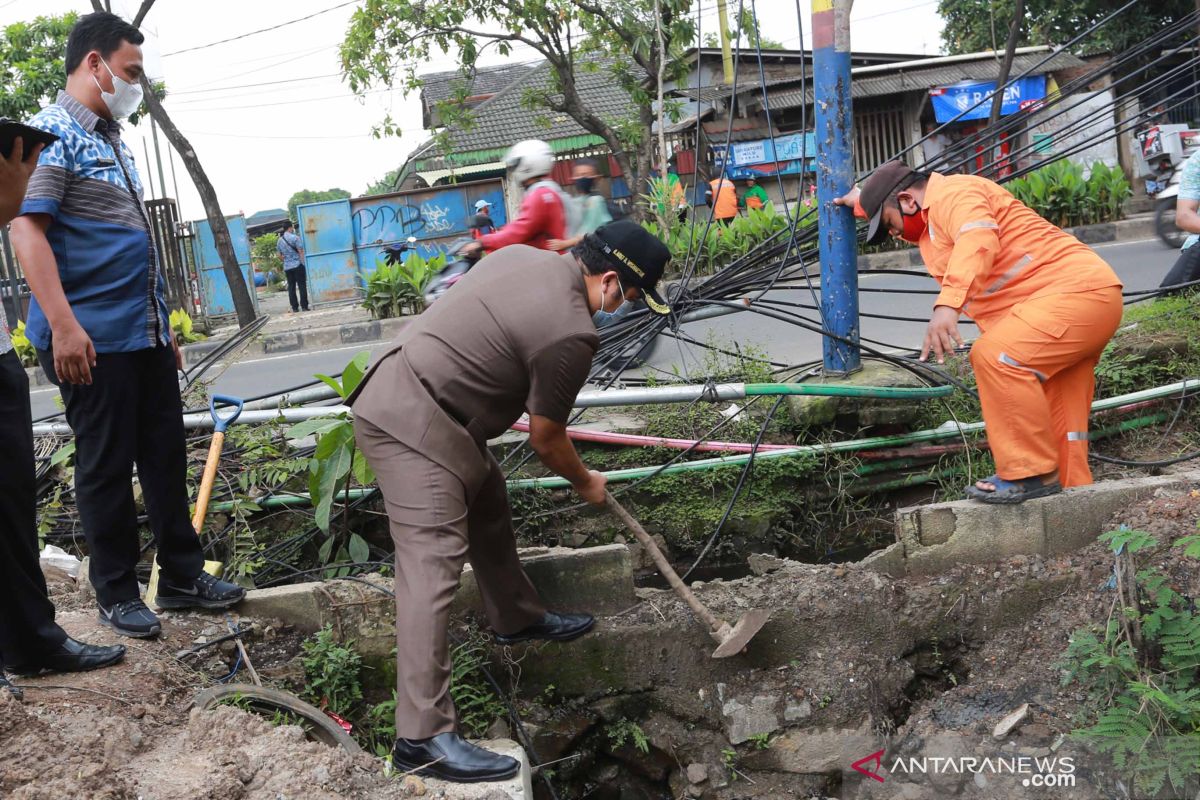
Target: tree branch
(142, 12)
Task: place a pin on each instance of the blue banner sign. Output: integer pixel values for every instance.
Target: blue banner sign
(950, 101)
(790, 147)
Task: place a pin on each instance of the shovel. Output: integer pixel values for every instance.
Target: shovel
(730, 640)
(206, 483)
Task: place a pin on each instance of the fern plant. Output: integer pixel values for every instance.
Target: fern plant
(1143, 666)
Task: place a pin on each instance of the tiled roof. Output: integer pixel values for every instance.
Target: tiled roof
(504, 120)
(877, 83)
(438, 86)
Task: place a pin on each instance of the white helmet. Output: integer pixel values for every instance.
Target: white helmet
(531, 158)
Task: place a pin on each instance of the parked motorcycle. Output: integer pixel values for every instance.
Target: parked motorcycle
(1164, 148)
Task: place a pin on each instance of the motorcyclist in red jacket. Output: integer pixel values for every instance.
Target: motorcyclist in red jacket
(543, 213)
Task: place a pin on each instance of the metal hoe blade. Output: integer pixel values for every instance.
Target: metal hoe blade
(730, 640)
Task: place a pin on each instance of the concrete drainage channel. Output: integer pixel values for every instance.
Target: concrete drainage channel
(849, 650)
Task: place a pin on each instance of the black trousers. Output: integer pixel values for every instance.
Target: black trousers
(1185, 270)
(297, 278)
(130, 414)
(27, 627)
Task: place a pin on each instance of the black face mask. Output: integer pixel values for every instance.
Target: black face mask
(585, 185)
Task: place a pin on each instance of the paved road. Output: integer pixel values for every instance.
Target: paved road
(1141, 265)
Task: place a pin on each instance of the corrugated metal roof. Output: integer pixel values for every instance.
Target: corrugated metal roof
(877, 85)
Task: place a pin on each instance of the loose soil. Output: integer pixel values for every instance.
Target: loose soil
(129, 732)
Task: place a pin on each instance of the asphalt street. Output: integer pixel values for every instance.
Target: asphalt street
(1140, 264)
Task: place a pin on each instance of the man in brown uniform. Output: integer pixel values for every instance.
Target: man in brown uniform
(515, 335)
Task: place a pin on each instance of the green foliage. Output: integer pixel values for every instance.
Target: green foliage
(1061, 194)
(311, 196)
(265, 258)
(475, 699)
(745, 30)
(715, 246)
(760, 741)
(625, 730)
(1143, 669)
(332, 672)
(31, 64)
(384, 185)
(975, 25)
(336, 457)
(394, 288)
(22, 346)
(571, 35)
(181, 326)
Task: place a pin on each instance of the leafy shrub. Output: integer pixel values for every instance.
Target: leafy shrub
(181, 325)
(1061, 194)
(714, 245)
(392, 288)
(1143, 667)
(332, 673)
(22, 346)
(265, 258)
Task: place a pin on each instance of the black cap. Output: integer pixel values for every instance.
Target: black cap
(883, 182)
(639, 256)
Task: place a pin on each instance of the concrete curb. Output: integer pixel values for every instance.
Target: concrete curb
(932, 539)
(1125, 230)
(266, 344)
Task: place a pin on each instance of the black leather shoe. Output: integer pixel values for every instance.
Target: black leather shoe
(72, 656)
(452, 758)
(554, 627)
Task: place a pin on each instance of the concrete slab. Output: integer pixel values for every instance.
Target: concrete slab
(935, 537)
(818, 411)
(598, 580)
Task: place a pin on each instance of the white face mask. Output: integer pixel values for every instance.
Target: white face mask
(125, 98)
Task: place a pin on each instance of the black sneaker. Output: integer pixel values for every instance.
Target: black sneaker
(131, 618)
(203, 591)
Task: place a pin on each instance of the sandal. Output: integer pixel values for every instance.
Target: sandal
(1012, 492)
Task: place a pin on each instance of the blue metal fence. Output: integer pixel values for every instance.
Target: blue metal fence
(345, 239)
(215, 294)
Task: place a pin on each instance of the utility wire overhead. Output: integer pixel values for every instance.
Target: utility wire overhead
(260, 30)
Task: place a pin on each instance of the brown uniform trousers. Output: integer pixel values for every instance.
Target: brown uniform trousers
(447, 503)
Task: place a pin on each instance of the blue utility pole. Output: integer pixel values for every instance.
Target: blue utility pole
(835, 177)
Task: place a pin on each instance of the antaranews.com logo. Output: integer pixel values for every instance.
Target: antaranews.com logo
(1030, 771)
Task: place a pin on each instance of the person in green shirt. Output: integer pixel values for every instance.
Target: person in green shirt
(589, 208)
(755, 196)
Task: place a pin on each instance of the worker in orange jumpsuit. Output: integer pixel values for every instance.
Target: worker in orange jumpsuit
(722, 196)
(1046, 304)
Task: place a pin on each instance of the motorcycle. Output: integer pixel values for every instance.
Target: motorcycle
(1164, 148)
(464, 259)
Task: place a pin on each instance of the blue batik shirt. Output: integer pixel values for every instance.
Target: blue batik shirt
(289, 246)
(87, 184)
(1189, 188)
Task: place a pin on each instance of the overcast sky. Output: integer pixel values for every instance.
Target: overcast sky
(269, 114)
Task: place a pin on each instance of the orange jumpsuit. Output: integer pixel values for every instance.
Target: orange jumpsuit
(1046, 304)
(724, 199)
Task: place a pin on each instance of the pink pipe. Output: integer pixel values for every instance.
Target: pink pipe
(636, 440)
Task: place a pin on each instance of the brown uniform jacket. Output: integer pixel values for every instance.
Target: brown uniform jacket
(513, 335)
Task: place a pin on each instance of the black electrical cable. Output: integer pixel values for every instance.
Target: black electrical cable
(737, 489)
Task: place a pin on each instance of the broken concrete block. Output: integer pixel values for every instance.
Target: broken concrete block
(745, 720)
(598, 580)
(295, 605)
(1010, 721)
(813, 751)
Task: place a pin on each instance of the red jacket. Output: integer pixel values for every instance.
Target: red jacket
(542, 217)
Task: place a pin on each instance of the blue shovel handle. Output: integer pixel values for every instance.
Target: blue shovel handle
(221, 423)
